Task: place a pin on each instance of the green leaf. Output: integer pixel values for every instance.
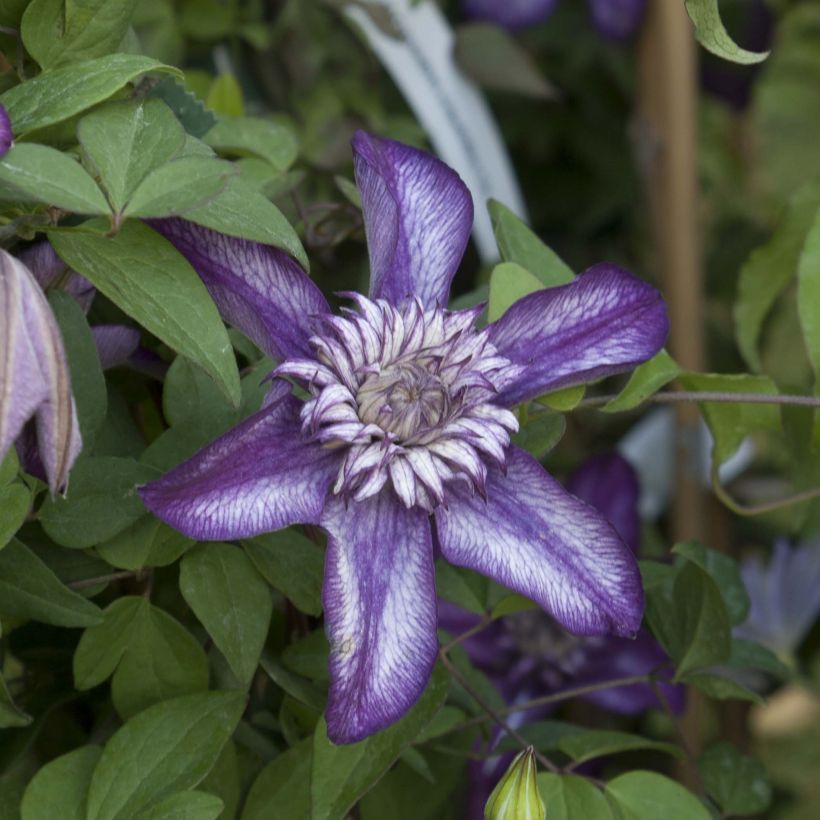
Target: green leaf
(564, 400)
(184, 806)
(232, 601)
(769, 269)
(302, 689)
(731, 423)
(517, 243)
(645, 381)
(145, 543)
(238, 210)
(9, 467)
(720, 687)
(509, 282)
(151, 655)
(243, 136)
(37, 173)
(594, 743)
(284, 783)
(56, 32)
(187, 108)
(291, 564)
(60, 788)
(712, 35)
(461, 586)
(29, 589)
(540, 433)
(223, 781)
(688, 616)
(168, 748)
(15, 502)
(342, 774)
(568, 797)
(494, 59)
(126, 140)
(725, 572)
(179, 186)
(649, 796)
(11, 716)
(87, 380)
(54, 96)
(808, 294)
(308, 656)
(143, 274)
(101, 501)
(225, 96)
(738, 783)
(751, 655)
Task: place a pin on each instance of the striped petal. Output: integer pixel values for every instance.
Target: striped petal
(380, 613)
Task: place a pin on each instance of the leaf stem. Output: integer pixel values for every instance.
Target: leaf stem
(103, 579)
(676, 396)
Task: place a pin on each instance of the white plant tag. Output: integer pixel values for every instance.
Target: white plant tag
(452, 111)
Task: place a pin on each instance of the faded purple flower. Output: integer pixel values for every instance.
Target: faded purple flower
(408, 415)
(613, 19)
(50, 271)
(784, 597)
(34, 377)
(6, 135)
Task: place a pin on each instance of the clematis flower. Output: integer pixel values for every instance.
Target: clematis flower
(784, 597)
(34, 377)
(613, 19)
(406, 432)
(6, 135)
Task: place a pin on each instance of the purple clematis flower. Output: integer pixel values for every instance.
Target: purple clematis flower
(407, 417)
(6, 135)
(784, 597)
(613, 19)
(34, 377)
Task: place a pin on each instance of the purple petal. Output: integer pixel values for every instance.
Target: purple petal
(50, 271)
(115, 343)
(609, 483)
(6, 135)
(512, 14)
(258, 288)
(538, 540)
(617, 19)
(260, 476)
(418, 215)
(380, 611)
(34, 376)
(605, 321)
(622, 657)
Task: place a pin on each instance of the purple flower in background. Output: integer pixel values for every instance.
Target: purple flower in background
(34, 377)
(6, 136)
(784, 597)
(613, 19)
(408, 415)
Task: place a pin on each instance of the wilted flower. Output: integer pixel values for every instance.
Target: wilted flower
(408, 415)
(784, 597)
(516, 796)
(34, 377)
(613, 19)
(6, 136)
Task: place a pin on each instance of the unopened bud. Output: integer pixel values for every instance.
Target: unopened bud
(516, 796)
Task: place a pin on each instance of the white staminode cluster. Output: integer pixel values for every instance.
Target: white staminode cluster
(410, 392)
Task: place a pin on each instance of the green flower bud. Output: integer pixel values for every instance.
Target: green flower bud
(516, 796)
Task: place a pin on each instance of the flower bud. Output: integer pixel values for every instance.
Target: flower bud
(516, 796)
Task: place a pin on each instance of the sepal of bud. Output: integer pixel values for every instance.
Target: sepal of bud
(516, 795)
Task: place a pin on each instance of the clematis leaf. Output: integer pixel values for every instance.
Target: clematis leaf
(191, 805)
(11, 716)
(60, 788)
(645, 380)
(54, 96)
(145, 543)
(638, 794)
(166, 749)
(594, 743)
(738, 783)
(567, 797)
(101, 501)
(233, 602)
(225, 96)
(712, 35)
(272, 141)
(144, 275)
(41, 174)
(126, 140)
(808, 299)
(29, 589)
(342, 774)
(509, 282)
(284, 783)
(517, 243)
(15, 502)
(721, 687)
(56, 32)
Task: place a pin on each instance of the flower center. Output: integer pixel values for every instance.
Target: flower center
(409, 393)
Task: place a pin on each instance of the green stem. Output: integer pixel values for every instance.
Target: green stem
(676, 396)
